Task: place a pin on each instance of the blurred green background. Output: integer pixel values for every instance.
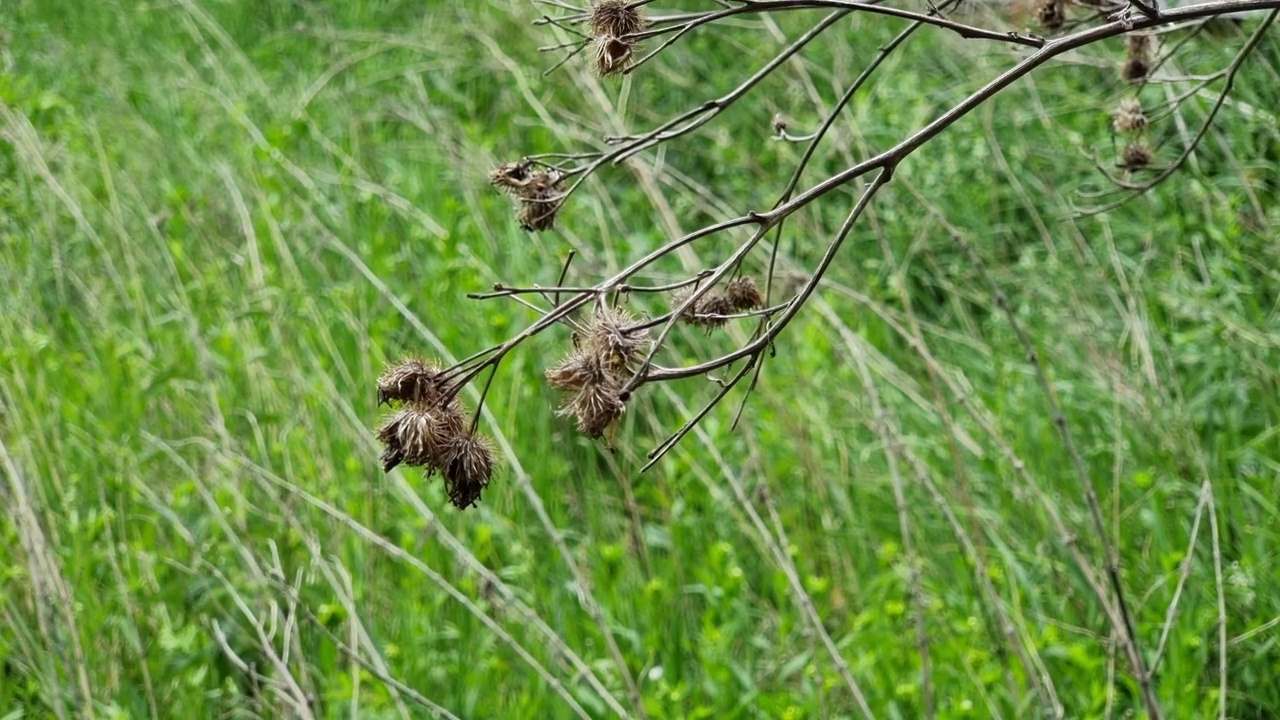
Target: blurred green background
(219, 220)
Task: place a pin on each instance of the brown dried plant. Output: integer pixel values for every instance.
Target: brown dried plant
(612, 24)
(429, 430)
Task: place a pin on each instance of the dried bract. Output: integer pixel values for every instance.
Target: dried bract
(1129, 117)
(1136, 156)
(609, 349)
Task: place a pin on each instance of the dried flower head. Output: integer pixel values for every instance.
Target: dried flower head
(1136, 156)
(616, 18)
(467, 467)
(595, 406)
(612, 23)
(611, 54)
(606, 352)
(709, 311)
(1137, 57)
(1129, 116)
(1135, 69)
(417, 434)
(540, 200)
(743, 294)
(1051, 13)
(577, 371)
(612, 339)
(412, 380)
(1138, 45)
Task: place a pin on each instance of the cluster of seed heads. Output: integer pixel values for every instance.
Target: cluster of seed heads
(430, 430)
(536, 190)
(606, 352)
(1137, 57)
(611, 23)
(711, 311)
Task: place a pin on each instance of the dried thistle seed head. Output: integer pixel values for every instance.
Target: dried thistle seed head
(611, 54)
(711, 311)
(511, 177)
(537, 215)
(743, 294)
(616, 18)
(1129, 116)
(1051, 13)
(1138, 45)
(540, 200)
(467, 468)
(1135, 69)
(595, 407)
(417, 435)
(1136, 156)
(412, 380)
(613, 341)
(576, 372)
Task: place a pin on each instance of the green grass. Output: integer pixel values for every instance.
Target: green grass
(219, 220)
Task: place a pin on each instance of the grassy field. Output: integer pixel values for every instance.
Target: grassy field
(219, 220)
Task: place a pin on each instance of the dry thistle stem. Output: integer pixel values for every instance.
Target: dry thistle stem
(611, 22)
(1136, 156)
(1129, 116)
